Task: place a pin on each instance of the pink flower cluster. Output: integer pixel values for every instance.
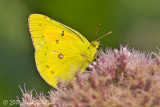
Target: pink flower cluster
(119, 78)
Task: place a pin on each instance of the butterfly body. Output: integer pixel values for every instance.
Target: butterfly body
(59, 50)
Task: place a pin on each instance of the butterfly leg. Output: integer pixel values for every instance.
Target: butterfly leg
(86, 58)
(96, 56)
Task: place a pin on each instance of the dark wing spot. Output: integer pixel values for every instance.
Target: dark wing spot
(62, 33)
(57, 41)
(45, 17)
(47, 66)
(52, 72)
(42, 36)
(83, 55)
(39, 24)
(45, 54)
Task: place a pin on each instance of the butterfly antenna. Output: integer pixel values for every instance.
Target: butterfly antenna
(104, 35)
(101, 44)
(97, 30)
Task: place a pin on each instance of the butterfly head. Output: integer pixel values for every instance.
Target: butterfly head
(95, 44)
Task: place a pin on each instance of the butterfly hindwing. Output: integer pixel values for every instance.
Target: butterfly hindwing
(56, 62)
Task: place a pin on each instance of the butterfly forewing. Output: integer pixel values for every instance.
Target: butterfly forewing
(44, 30)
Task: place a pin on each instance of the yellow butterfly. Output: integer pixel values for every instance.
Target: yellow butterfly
(59, 50)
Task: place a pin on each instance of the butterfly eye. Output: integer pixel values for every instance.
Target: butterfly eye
(60, 56)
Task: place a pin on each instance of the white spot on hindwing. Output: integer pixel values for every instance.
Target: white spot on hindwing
(60, 56)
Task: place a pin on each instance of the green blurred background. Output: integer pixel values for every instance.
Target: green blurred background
(136, 23)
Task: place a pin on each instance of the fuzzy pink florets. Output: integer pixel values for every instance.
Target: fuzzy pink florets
(119, 78)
